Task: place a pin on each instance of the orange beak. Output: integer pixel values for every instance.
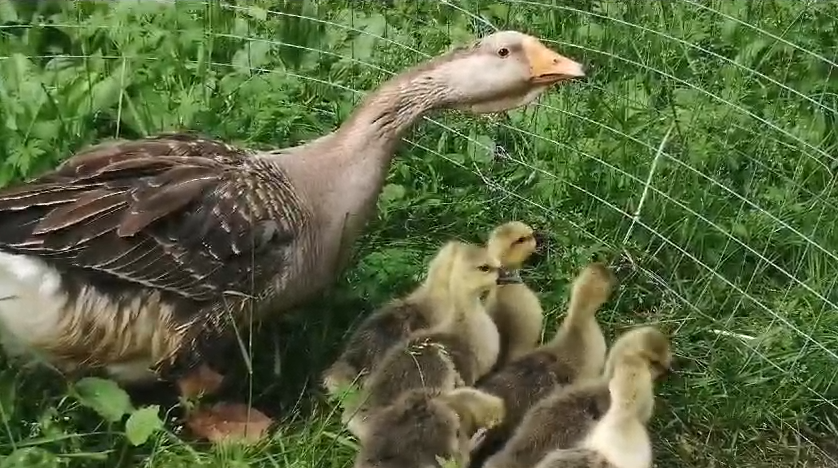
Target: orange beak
(548, 67)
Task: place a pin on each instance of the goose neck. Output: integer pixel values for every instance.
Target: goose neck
(384, 117)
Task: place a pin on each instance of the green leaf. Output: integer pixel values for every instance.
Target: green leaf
(259, 13)
(447, 462)
(392, 192)
(103, 396)
(105, 93)
(481, 148)
(253, 55)
(30, 457)
(499, 11)
(8, 13)
(347, 395)
(142, 424)
(374, 27)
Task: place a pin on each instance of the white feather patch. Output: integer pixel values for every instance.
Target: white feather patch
(33, 302)
(32, 305)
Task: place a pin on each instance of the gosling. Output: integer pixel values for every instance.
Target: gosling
(514, 307)
(425, 307)
(422, 428)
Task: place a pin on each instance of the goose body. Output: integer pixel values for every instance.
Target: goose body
(135, 256)
(131, 243)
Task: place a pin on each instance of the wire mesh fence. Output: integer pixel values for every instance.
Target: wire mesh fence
(699, 158)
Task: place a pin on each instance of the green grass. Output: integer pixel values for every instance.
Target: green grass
(700, 157)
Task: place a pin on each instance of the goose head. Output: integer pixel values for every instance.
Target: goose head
(501, 71)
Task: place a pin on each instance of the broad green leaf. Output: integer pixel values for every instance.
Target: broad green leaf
(103, 94)
(103, 396)
(447, 462)
(253, 55)
(392, 192)
(259, 13)
(347, 395)
(591, 31)
(30, 457)
(498, 10)
(142, 424)
(480, 148)
(374, 27)
(241, 27)
(456, 157)
(749, 54)
(8, 13)
(46, 129)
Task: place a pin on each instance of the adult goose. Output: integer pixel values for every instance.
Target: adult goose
(132, 256)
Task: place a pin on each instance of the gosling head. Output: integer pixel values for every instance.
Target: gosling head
(439, 268)
(513, 243)
(473, 269)
(427, 426)
(475, 410)
(646, 343)
(595, 283)
(499, 72)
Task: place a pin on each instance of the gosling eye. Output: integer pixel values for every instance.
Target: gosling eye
(503, 52)
(484, 268)
(522, 239)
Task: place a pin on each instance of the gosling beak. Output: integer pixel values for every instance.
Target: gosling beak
(548, 67)
(668, 371)
(507, 276)
(540, 238)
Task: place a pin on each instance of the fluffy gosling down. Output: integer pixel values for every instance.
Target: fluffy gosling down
(425, 307)
(455, 353)
(620, 439)
(514, 307)
(420, 429)
(563, 418)
(577, 351)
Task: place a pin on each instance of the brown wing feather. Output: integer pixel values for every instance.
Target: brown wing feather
(90, 204)
(165, 193)
(173, 212)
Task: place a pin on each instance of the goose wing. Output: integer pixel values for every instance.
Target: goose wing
(191, 216)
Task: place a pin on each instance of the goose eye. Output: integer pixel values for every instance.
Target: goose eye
(503, 52)
(484, 268)
(521, 240)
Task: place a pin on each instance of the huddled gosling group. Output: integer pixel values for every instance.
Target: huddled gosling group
(454, 372)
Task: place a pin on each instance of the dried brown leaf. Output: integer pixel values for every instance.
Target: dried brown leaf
(229, 422)
(203, 381)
